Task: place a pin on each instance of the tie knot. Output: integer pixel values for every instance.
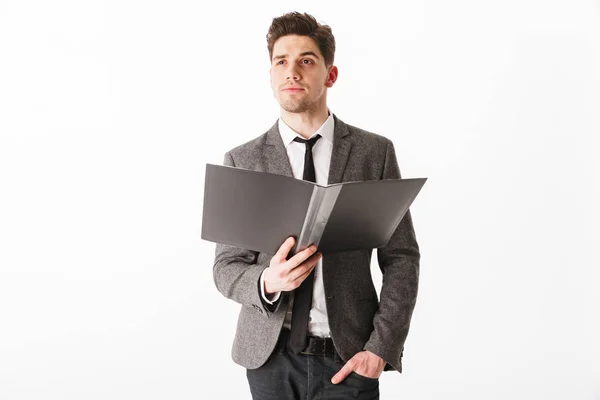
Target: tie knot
(309, 143)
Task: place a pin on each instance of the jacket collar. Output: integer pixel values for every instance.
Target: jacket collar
(276, 156)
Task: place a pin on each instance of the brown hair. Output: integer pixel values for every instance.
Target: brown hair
(295, 23)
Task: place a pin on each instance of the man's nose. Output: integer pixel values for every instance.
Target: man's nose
(292, 73)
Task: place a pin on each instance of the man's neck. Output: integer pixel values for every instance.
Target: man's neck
(306, 123)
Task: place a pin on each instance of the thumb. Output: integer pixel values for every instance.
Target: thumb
(285, 248)
(344, 372)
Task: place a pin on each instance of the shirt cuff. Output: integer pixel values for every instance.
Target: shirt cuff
(269, 299)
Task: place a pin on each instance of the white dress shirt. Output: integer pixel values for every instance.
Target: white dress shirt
(318, 323)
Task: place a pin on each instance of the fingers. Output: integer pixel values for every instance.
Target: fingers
(300, 277)
(297, 259)
(288, 275)
(304, 269)
(285, 248)
(288, 278)
(344, 372)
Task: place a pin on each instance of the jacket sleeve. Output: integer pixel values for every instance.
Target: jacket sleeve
(237, 274)
(399, 264)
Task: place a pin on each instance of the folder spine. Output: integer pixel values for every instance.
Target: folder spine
(321, 204)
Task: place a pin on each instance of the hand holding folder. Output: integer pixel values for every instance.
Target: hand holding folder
(258, 210)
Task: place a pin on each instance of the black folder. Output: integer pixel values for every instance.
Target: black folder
(259, 210)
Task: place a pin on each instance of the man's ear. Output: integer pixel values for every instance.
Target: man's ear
(332, 76)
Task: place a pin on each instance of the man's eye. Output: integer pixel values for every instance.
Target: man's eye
(279, 62)
(307, 61)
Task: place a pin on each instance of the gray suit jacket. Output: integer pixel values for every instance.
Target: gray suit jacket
(358, 320)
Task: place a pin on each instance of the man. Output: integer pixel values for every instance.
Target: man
(311, 325)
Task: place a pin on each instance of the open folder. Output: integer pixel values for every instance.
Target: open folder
(259, 210)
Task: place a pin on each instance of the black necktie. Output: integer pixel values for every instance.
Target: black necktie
(303, 293)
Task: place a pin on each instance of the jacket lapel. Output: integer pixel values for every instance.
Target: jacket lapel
(341, 151)
(274, 155)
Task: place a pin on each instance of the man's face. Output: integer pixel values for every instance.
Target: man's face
(299, 77)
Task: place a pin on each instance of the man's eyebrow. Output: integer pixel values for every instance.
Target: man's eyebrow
(306, 53)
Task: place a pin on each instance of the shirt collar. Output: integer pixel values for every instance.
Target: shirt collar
(325, 130)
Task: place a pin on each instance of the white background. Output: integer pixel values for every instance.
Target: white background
(110, 110)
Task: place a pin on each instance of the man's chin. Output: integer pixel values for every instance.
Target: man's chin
(295, 108)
